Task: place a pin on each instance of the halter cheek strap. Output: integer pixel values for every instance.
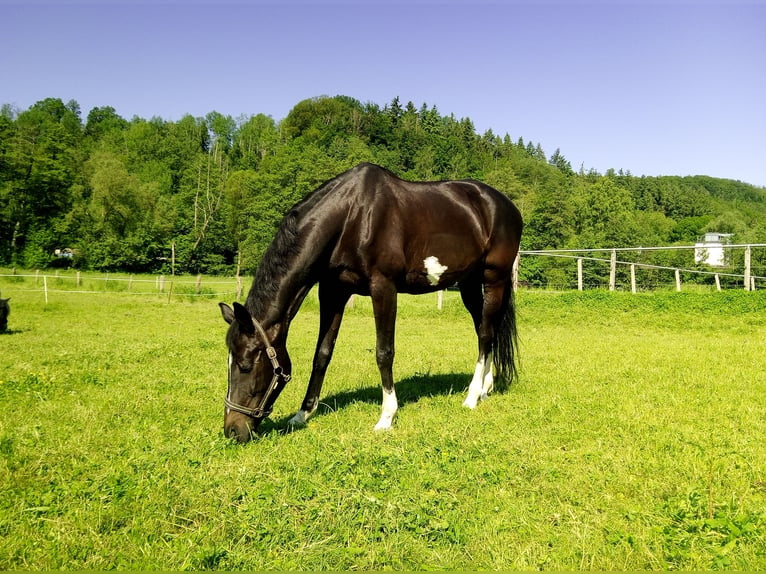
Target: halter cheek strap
(280, 378)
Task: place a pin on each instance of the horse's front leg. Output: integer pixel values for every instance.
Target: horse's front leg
(384, 296)
(332, 304)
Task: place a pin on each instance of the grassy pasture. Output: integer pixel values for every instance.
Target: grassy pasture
(634, 439)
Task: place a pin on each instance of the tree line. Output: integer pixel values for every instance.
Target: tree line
(205, 194)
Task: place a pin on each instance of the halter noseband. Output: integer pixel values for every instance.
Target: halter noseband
(262, 410)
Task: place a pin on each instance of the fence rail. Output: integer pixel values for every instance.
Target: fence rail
(68, 281)
(48, 282)
(747, 277)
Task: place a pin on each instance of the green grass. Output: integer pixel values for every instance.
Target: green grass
(633, 440)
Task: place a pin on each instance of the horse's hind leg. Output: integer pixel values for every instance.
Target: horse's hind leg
(473, 299)
(384, 296)
(484, 302)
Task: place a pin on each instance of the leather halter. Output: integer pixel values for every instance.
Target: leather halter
(263, 409)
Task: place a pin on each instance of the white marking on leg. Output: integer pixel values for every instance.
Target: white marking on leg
(489, 380)
(390, 406)
(300, 418)
(434, 269)
(477, 382)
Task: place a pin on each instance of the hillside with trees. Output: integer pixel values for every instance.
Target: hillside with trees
(205, 194)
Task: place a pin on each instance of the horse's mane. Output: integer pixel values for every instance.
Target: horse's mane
(287, 243)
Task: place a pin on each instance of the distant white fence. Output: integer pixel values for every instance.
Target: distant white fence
(56, 281)
(746, 278)
(68, 281)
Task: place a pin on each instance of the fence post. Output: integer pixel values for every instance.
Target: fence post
(579, 273)
(440, 299)
(45, 288)
(717, 282)
(678, 280)
(747, 268)
(161, 283)
(515, 272)
(613, 271)
(239, 286)
(199, 283)
(633, 278)
(78, 282)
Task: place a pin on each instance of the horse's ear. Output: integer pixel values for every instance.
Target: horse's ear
(228, 314)
(244, 319)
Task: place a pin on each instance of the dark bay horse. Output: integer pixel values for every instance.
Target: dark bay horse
(368, 232)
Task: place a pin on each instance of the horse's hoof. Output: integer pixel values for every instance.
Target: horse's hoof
(382, 426)
(299, 419)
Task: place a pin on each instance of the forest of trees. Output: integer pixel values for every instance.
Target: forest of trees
(205, 194)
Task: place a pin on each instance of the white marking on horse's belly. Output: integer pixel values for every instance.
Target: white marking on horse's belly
(434, 269)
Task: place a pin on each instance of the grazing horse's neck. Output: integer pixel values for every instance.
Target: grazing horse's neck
(288, 269)
(284, 276)
(276, 309)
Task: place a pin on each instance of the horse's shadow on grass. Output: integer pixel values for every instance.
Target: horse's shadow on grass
(408, 390)
(11, 332)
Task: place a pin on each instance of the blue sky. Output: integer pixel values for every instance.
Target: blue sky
(657, 88)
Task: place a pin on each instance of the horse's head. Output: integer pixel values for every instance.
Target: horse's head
(258, 372)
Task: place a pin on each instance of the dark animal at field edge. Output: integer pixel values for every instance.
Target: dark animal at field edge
(368, 232)
(5, 310)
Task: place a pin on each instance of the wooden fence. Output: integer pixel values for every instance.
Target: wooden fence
(56, 281)
(746, 278)
(69, 281)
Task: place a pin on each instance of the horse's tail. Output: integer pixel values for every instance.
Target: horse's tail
(505, 342)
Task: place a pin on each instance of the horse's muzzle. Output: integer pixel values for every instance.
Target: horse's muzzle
(239, 427)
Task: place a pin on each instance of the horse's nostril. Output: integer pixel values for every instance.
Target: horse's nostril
(240, 433)
(232, 434)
